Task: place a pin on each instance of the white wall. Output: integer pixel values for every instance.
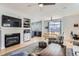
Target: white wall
(36, 26)
(44, 26)
(68, 24)
(9, 12)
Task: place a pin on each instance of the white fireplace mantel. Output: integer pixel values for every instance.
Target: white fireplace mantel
(10, 31)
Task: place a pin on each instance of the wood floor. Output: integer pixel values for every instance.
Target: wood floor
(18, 46)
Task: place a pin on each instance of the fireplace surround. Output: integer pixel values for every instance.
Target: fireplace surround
(12, 39)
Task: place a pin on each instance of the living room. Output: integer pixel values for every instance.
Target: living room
(39, 29)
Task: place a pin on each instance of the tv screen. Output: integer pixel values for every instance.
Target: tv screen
(8, 21)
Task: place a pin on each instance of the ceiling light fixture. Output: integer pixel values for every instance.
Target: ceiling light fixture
(40, 5)
(45, 4)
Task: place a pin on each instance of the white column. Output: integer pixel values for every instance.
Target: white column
(2, 40)
(42, 27)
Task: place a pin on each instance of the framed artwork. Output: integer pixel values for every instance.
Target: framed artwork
(75, 25)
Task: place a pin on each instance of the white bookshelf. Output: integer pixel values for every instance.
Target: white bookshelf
(26, 27)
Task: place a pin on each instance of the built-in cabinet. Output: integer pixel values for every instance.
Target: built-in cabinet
(11, 25)
(27, 35)
(26, 29)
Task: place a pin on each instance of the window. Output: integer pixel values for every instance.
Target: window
(54, 26)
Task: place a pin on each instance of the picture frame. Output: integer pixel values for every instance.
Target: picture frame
(76, 25)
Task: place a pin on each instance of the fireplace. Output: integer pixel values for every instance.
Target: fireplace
(12, 39)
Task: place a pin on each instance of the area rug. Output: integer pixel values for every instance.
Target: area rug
(33, 48)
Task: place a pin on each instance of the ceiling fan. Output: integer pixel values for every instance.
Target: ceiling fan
(42, 4)
(45, 4)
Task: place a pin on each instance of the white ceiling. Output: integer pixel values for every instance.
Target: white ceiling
(35, 12)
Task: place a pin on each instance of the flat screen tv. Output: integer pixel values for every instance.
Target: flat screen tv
(8, 21)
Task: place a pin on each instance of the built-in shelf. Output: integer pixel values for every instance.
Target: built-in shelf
(26, 23)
